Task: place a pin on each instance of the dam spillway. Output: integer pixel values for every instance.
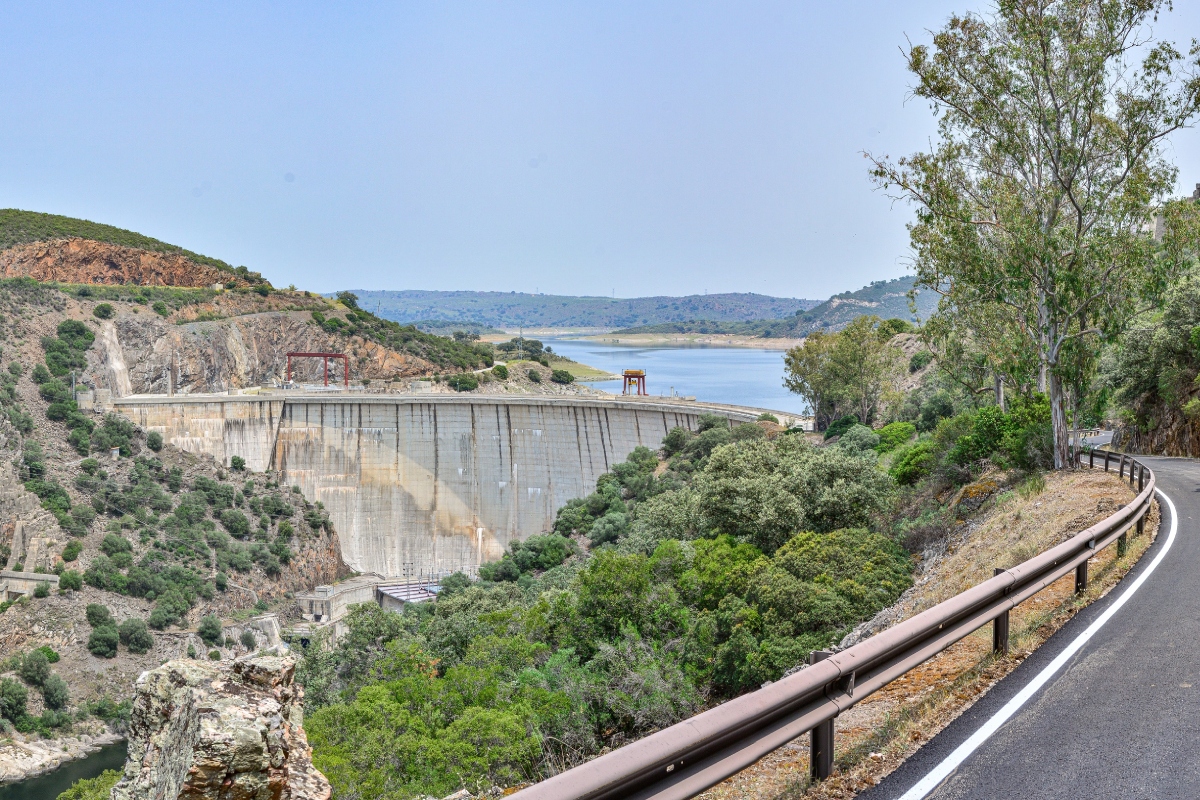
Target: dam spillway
(424, 485)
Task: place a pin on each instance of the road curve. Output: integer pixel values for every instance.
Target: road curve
(1122, 718)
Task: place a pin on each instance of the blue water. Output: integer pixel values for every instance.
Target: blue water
(736, 375)
(52, 784)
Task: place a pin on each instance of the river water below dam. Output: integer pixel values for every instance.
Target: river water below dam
(735, 375)
(52, 784)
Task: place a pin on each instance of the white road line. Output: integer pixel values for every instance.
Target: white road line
(942, 771)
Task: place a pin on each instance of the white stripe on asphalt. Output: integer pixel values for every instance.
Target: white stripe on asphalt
(943, 770)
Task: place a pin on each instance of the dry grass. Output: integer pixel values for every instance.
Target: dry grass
(875, 737)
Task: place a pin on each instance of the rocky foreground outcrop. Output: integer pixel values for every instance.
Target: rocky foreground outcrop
(87, 261)
(228, 731)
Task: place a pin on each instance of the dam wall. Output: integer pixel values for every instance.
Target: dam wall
(419, 485)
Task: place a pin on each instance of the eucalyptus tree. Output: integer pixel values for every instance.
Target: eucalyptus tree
(1046, 196)
(845, 372)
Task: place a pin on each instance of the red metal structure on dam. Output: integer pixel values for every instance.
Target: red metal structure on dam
(326, 357)
(634, 379)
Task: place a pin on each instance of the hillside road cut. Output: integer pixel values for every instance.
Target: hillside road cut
(1108, 707)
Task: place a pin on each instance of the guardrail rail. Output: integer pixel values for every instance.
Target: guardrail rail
(698, 753)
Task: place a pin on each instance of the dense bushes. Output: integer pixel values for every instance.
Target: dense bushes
(1017, 439)
(463, 382)
(704, 580)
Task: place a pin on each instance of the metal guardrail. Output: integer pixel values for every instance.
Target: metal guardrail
(693, 755)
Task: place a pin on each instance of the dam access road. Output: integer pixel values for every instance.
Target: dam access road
(1114, 715)
(428, 484)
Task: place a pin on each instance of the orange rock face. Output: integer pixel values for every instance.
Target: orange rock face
(87, 261)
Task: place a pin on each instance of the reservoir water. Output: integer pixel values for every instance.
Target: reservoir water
(52, 784)
(735, 375)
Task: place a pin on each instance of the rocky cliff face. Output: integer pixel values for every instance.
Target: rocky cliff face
(28, 533)
(205, 732)
(87, 261)
(141, 353)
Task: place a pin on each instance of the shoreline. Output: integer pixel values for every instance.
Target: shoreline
(651, 339)
(730, 340)
(24, 760)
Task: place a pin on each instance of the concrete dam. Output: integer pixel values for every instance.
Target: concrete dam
(419, 486)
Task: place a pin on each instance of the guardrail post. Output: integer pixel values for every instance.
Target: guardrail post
(1106, 461)
(1092, 458)
(1081, 577)
(1121, 468)
(1123, 544)
(820, 748)
(1000, 629)
(1141, 478)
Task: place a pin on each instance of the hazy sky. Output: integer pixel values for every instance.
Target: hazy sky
(570, 148)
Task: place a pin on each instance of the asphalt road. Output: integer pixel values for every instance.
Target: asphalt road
(1122, 718)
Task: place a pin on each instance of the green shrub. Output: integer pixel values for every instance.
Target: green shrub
(248, 640)
(34, 668)
(463, 382)
(840, 426)
(562, 376)
(154, 441)
(40, 374)
(71, 552)
(89, 466)
(70, 579)
(535, 376)
(919, 361)
(134, 635)
(113, 544)
(913, 462)
(214, 655)
(210, 630)
(13, 697)
(161, 309)
(767, 416)
(50, 653)
(236, 523)
(55, 692)
(103, 311)
(103, 641)
(237, 464)
(859, 439)
(42, 589)
(893, 435)
(98, 615)
(98, 788)
(500, 371)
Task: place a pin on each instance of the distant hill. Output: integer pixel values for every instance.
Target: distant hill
(513, 309)
(884, 299)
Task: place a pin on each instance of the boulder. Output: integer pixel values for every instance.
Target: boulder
(227, 731)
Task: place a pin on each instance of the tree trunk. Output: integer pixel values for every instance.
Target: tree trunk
(999, 382)
(1058, 422)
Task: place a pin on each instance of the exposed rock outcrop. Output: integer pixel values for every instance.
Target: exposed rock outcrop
(140, 353)
(87, 261)
(209, 732)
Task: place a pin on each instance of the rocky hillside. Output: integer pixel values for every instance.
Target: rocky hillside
(80, 251)
(85, 261)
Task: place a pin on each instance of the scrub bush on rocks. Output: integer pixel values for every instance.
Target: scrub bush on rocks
(103, 641)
